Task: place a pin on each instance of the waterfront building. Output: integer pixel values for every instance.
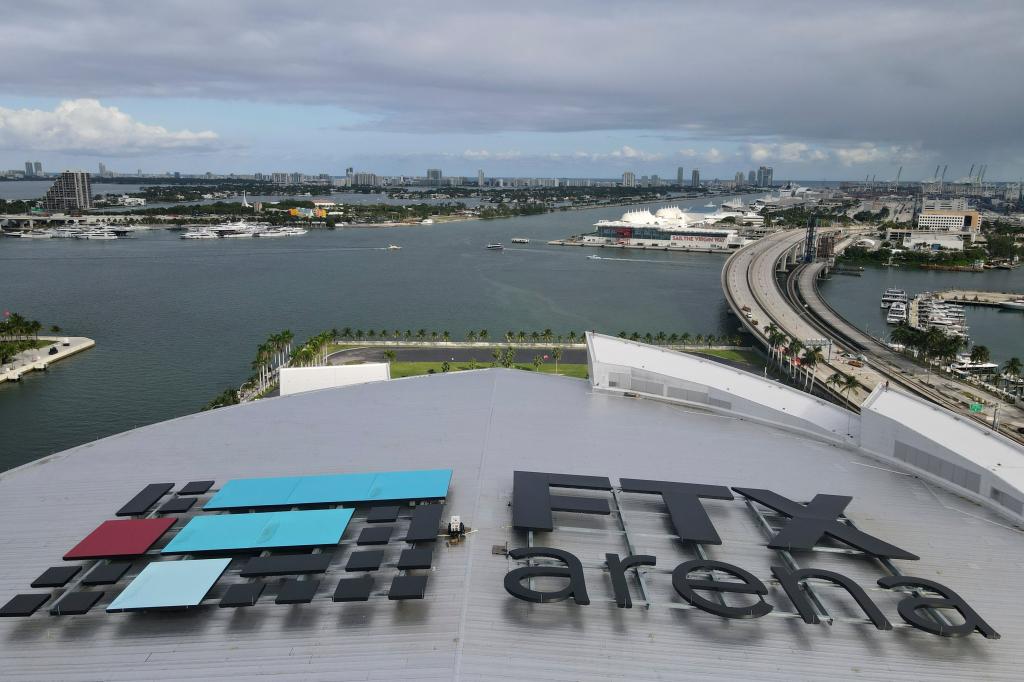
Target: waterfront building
(680, 176)
(739, 178)
(695, 178)
(668, 228)
(434, 177)
(764, 176)
(184, 549)
(365, 180)
(37, 169)
(480, 178)
(752, 178)
(29, 172)
(296, 178)
(279, 178)
(949, 221)
(71, 191)
(629, 179)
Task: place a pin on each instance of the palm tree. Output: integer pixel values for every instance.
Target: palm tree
(673, 338)
(346, 333)
(521, 336)
(685, 338)
(572, 337)
(483, 334)
(622, 335)
(55, 329)
(498, 356)
(535, 337)
(660, 337)
(389, 355)
(1012, 369)
(547, 335)
(421, 334)
(433, 336)
(698, 340)
(371, 334)
(635, 336)
(510, 336)
(648, 337)
(793, 353)
(407, 334)
(556, 353)
(509, 358)
(359, 335)
(471, 336)
(980, 354)
(850, 383)
(811, 357)
(538, 360)
(445, 367)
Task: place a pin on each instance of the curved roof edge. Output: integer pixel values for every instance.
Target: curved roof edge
(907, 433)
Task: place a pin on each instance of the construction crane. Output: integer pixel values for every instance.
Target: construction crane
(935, 175)
(981, 174)
(942, 181)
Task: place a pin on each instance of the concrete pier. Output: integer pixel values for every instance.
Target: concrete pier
(40, 358)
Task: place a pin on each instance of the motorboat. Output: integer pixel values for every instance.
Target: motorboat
(593, 257)
(101, 233)
(199, 234)
(496, 247)
(1016, 304)
(520, 240)
(393, 247)
(897, 313)
(892, 295)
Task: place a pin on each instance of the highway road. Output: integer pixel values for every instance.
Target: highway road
(749, 279)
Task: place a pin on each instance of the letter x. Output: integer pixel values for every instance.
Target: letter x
(810, 522)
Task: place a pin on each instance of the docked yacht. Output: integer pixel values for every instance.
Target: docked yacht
(893, 296)
(199, 234)
(37, 234)
(1016, 304)
(100, 232)
(897, 313)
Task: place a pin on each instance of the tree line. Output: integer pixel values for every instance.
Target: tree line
(17, 334)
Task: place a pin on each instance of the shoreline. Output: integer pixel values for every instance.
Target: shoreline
(40, 359)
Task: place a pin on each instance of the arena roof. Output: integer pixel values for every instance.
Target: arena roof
(484, 426)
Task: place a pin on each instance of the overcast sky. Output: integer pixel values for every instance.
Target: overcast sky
(815, 89)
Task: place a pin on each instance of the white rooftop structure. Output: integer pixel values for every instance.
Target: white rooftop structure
(648, 416)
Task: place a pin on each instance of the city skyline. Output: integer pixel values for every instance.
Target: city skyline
(833, 93)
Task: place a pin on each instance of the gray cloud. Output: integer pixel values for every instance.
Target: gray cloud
(922, 78)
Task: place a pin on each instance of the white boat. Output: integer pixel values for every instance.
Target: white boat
(496, 247)
(897, 313)
(102, 233)
(520, 240)
(709, 205)
(37, 234)
(392, 247)
(1016, 304)
(199, 234)
(593, 258)
(892, 296)
(67, 232)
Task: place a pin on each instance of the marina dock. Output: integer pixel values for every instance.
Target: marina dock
(40, 358)
(983, 298)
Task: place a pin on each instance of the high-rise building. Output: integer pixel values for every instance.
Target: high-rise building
(764, 176)
(37, 169)
(279, 178)
(739, 177)
(434, 177)
(28, 169)
(680, 176)
(365, 180)
(480, 178)
(103, 169)
(71, 191)
(695, 178)
(629, 179)
(752, 178)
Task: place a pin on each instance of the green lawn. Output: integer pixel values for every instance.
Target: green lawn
(411, 369)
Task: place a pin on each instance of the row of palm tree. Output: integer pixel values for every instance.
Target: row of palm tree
(794, 357)
(931, 344)
(15, 327)
(1011, 373)
(843, 383)
(314, 351)
(349, 334)
(522, 336)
